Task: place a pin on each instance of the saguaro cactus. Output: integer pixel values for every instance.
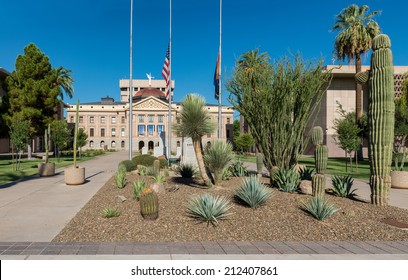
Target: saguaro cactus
(381, 109)
(321, 152)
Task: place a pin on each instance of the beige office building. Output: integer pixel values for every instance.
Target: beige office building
(107, 122)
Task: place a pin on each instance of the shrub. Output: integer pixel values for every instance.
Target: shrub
(306, 173)
(253, 192)
(187, 170)
(163, 163)
(238, 169)
(149, 171)
(138, 187)
(128, 164)
(110, 212)
(319, 208)
(342, 186)
(286, 180)
(226, 174)
(146, 160)
(120, 178)
(217, 157)
(209, 209)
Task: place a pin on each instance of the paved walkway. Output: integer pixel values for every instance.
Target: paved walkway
(35, 210)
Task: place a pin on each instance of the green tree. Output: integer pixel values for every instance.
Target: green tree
(356, 29)
(20, 131)
(347, 133)
(244, 142)
(81, 140)
(280, 105)
(195, 122)
(59, 135)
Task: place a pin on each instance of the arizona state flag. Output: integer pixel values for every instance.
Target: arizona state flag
(217, 78)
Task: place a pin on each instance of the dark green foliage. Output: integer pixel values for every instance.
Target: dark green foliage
(81, 139)
(128, 164)
(319, 208)
(253, 192)
(208, 208)
(342, 186)
(20, 131)
(163, 163)
(306, 173)
(187, 170)
(146, 160)
(401, 128)
(149, 204)
(244, 142)
(286, 180)
(238, 169)
(59, 135)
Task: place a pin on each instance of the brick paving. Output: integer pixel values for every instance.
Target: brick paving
(205, 248)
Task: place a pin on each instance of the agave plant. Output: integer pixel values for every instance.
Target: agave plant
(120, 178)
(110, 212)
(306, 173)
(217, 157)
(208, 208)
(138, 187)
(187, 170)
(319, 208)
(342, 186)
(238, 169)
(253, 192)
(142, 170)
(159, 178)
(286, 180)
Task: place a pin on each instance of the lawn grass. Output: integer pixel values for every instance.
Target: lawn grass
(30, 167)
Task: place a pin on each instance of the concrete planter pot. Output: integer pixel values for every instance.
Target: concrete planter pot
(74, 176)
(399, 179)
(46, 169)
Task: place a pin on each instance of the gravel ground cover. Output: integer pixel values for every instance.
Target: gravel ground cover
(280, 219)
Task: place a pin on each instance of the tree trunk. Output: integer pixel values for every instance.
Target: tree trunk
(199, 154)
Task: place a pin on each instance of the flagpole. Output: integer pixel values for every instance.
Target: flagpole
(220, 80)
(170, 92)
(131, 82)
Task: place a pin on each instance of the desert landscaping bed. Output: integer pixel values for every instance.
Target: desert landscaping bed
(280, 219)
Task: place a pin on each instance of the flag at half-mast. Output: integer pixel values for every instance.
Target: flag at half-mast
(217, 78)
(166, 73)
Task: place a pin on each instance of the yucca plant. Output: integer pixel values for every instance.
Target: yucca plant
(306, 173)
(253, 192)
(142, 170)
(342, 186)
(286, 180)
(208, 208)
(120, 178)
(319, 208)
(159, 178)
(187, 170)
(217, 157)
(138, 187)
(238, 169)
(110, 212)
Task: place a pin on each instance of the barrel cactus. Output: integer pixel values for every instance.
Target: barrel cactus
(149, 204)
(381, 109)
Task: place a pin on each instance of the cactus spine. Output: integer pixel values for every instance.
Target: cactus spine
(381, 119)
(149, 204)
(47, 142)
(321, 152)
(156, 167)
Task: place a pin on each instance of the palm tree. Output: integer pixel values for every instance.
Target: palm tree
(64, 81)
(195, 122)
(356, 30)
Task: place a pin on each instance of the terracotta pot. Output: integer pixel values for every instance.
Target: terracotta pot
(74, 176)
(46, 169)
(399, 179)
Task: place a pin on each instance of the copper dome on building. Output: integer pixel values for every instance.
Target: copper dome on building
(147, 92)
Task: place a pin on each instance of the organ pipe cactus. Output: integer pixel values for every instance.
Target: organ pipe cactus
(149, 204)
(381, 109)
(321, 152)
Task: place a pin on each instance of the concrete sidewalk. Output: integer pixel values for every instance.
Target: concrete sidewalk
(36, 209)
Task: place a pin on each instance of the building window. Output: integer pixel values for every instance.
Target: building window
(91, 132)
(160, 119)
(102, 132)
(122, 132)
(178, 143)
(71, 119)
(113, 119)
(91, 144)
(151, 118)
(113, 144)
(122, 119)
(91, 119)
(102, 144)
(102, 119)
(81, 119)
(141, 130)
(150, 129)
(122, 144)
(141, 118)
(113, 132)
(228, 120)
(160, 129)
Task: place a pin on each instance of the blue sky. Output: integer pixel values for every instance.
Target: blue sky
(92, 37)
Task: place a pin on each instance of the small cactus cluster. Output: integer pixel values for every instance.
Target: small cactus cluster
(321, 152)
(149, 204)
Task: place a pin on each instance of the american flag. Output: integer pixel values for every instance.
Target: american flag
(166, 73)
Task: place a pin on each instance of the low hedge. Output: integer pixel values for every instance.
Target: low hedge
(128, 164)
